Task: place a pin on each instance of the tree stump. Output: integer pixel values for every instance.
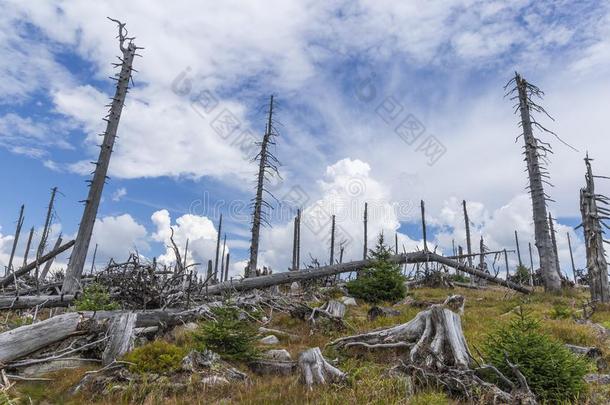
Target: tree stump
(316, 370)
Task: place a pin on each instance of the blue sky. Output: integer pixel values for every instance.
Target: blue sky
(349, 78)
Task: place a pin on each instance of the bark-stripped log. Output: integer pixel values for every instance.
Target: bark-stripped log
(121, 334)
(26, 339)
(324, 271)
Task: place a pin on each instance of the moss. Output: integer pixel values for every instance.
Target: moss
(156, 357)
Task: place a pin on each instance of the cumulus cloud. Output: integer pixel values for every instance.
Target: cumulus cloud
(198, 230)
(117, 237)
(119, 193)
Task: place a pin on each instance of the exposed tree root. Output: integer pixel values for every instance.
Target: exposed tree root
(316, 370)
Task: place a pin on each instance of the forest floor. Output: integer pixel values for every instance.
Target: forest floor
(368, 379)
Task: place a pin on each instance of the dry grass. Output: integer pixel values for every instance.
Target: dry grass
(369, 382)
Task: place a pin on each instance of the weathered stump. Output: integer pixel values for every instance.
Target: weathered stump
(316, 370)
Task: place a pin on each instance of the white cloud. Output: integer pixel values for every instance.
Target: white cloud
(117, 237)
(198, 230)
(119, 193)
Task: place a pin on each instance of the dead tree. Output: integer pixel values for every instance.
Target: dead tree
(227, 266)
(554, 242)
(518, 249)
(365, 221)
(467, 225)
(96, 186)
(222, 262)
(48, 264)
(331, 261)
(592, 222)
(26, 253)
(42, 244)
(536, 152)
(529, 244)
(572, 258)
(294, 244)
(267, 166)
(9, 268)
(217, 248)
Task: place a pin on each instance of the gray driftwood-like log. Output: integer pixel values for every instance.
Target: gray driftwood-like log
(121, 334)
(267, 166)
(536, 150)
(30, 301)
(316, 370)
(83, 237)
(31, 266)
(594, 241)
(325, 271)
(26, 339)
(434, 337)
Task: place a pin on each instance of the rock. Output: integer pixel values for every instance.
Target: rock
(597, 378)
(270, 340)
(214, 381)
(295, 287)
(277, 354)
(375, 312)
(272, 367)
(191, 326)
(349, 301)
(196, 361)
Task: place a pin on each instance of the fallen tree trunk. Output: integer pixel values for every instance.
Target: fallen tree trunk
(325, 271)
(27, 339)
(31, 266)
(30, 301)
(121, 333)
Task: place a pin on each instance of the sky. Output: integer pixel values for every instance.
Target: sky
(383, 102)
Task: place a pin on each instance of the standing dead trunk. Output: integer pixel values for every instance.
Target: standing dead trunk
(531, 265)
(518, 249)
(572, 258)
(227, 267)
(267, 166)
(594, 242)
(217, 248)
(365, 252)
(222, 262)
(331, 261)
(9, 267)
(534, 150)
(83, 237)
(554, 243)
(467, 225)
(49, 263)
(27, 248)
(293, 267)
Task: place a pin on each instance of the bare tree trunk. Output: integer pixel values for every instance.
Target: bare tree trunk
(467, 225)
(594, 242)
(217, 248)
(227, 267)
(93, 260)
(27, 247)
(518, 249)
(506, 264)
(9, 267)
(554, 243)
(298, 260)
(121, 335)
(83, 238)
(531, 265)
(293, 267)
(572, 258)
(49, 263)
(222, 262)
(332, 242)
(266, 162)
(365, 253)
(552, 282)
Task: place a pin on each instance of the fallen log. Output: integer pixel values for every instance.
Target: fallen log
(30, 301)
(325, 271)
(27, 339)
(31, 266)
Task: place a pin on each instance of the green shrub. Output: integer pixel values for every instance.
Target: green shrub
(460, 278)
(381, 281)
(521, 276)
(553, 373)
(561, 311)
(156, 357)
(228, 336)
(95, 297)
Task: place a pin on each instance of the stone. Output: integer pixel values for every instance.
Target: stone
(277, 354)
(214, 381)
(348, 301)
(270, 340)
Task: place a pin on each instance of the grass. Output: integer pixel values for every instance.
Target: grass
(368, 382)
